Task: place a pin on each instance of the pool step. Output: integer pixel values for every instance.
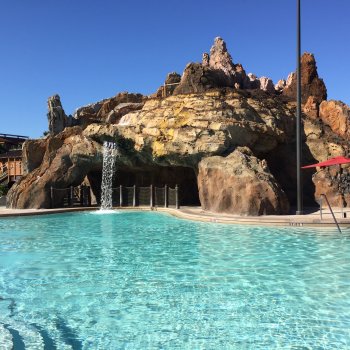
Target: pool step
(5, 338)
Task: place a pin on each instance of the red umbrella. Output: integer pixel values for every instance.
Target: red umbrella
(333, 161)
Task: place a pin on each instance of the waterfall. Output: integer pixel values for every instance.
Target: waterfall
(110, 152)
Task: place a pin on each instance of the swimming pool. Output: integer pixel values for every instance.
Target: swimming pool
(144, 280)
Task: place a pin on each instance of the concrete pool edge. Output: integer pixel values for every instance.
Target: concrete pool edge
(197, 214)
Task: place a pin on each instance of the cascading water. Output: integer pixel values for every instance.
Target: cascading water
(110, 152)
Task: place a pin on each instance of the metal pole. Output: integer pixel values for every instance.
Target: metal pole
(298, 120)
(151, 196)
(51, 193)
(177, 197)
(166, 196)
(134, 197)
(81, 191)
(71, 196)
(121, 195)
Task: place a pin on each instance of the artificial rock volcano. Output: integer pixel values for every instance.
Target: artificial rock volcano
(226, 137)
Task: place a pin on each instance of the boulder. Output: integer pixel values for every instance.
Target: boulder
(327, 181)
(239, 184)
(311, 84)
(336, 115)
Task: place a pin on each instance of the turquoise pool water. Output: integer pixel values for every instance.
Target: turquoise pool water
(138, 280)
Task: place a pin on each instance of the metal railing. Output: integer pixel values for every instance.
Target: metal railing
(122, 196)
(330, 209)
(134, 196)
(70, 196)
(14, 136)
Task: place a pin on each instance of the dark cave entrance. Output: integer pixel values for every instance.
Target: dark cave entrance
(282, 164)
(158, 176)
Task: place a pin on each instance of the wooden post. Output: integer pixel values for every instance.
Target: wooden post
(166, 196)
(177, 197)
(51, 195)
(151, 196)
(134, 197)
(121, 195)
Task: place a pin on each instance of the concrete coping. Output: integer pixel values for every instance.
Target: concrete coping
(197, 214)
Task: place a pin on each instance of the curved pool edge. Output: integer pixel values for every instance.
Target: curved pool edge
(197, 214)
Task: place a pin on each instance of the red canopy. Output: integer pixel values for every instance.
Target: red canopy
(329, 162)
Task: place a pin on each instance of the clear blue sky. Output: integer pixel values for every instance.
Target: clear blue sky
(87, 50)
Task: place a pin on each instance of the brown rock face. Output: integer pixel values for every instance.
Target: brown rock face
(311, 108)
(171, 82)
(32, 154)
(239, 184)
(311, 84)
(197, 78)
(68, 157)
(327, 182)
(336, 114)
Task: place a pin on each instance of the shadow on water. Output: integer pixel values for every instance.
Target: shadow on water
(69, 335)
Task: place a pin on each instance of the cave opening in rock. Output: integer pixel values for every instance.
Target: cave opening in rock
(158, 176)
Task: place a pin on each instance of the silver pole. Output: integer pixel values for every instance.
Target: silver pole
(298, 119)
(121, 195)
(166, 196)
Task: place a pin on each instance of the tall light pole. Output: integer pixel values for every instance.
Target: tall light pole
(298, 120)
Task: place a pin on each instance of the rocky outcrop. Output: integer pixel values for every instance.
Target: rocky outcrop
(266, 84)
(197, 129)
(240, 184)
(216, 70)
(311, 84)
(68, 157)
(177, 131)
(281, 84)
(336, 115)
(196, 79)
(109, 110)
(56, 116)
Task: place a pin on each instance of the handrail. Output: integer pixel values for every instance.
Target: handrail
(330, 208)
(14, 136)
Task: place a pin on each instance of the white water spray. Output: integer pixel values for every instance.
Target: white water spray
(110, 152)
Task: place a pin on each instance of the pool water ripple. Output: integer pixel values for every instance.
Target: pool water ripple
(150, 281)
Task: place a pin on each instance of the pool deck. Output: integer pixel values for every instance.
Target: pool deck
(312, 219)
